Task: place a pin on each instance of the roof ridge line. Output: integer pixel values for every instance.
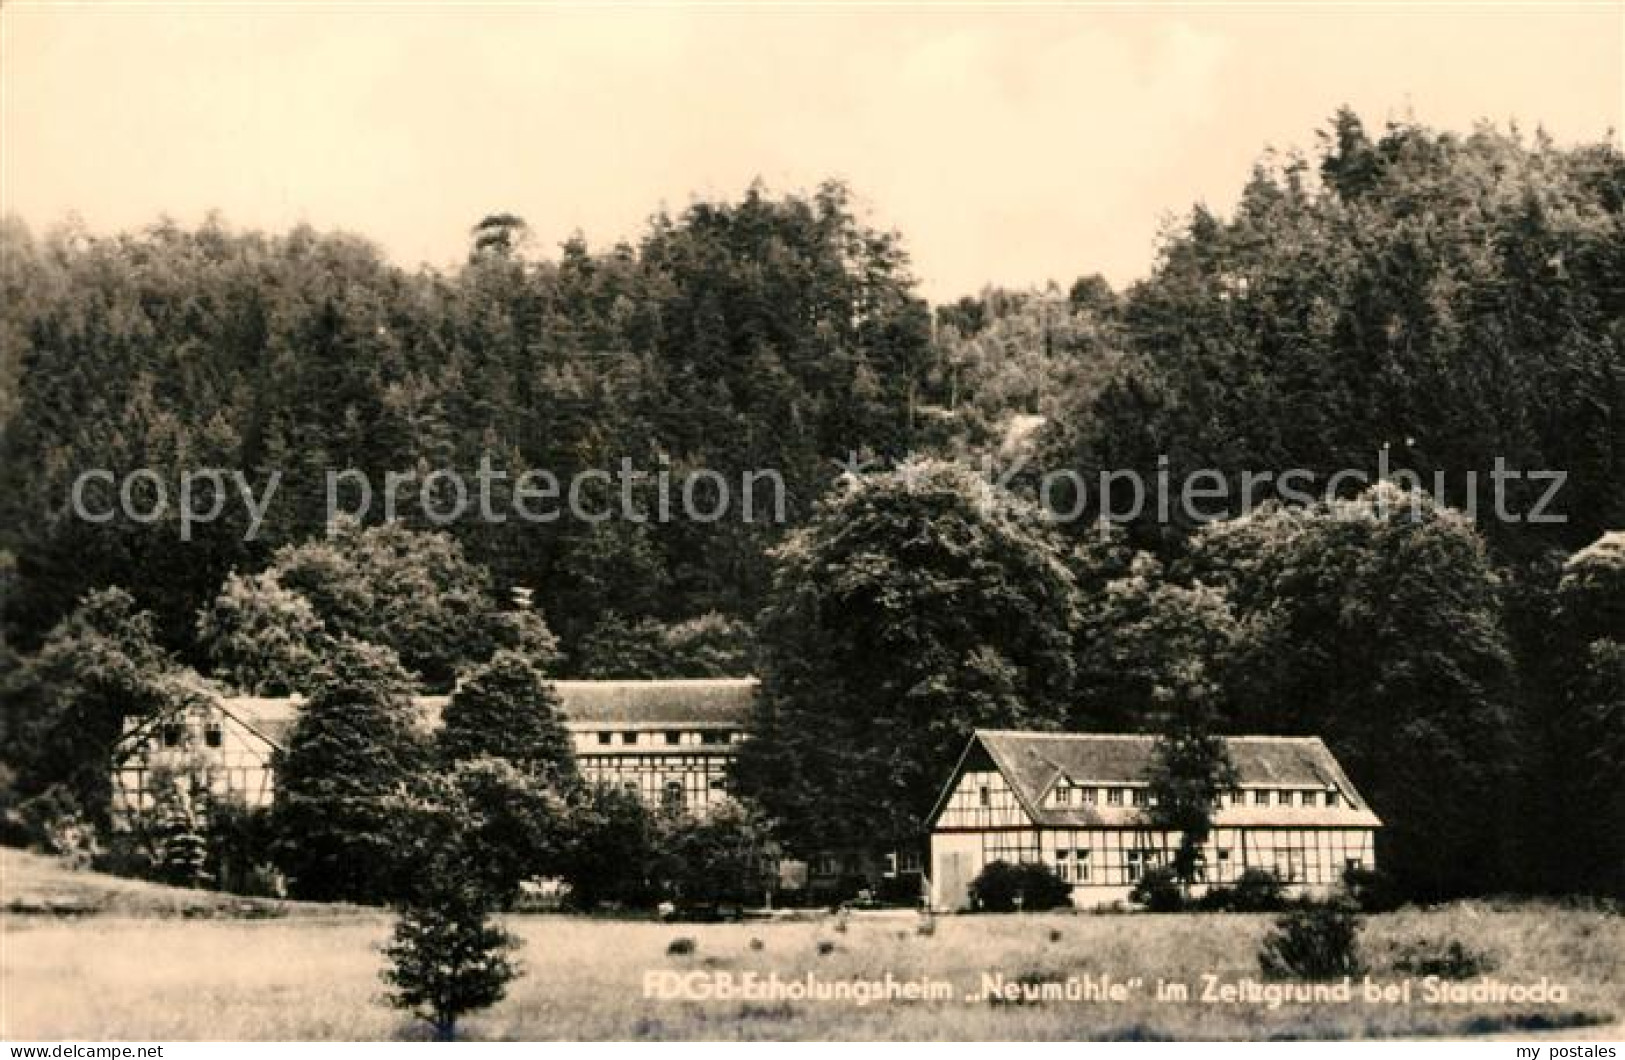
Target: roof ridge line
(1046, 734)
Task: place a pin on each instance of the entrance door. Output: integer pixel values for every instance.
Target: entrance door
(951, 879)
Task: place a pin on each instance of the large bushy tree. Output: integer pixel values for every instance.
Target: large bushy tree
(412, 591)
(483, 822)
(260, 637)
(64, 707)
(916, 606)
(1589, 732)
(1148, 644)
(1375, 623)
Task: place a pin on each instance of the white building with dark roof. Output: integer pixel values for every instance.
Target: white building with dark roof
(668, 741)
(1077, 802)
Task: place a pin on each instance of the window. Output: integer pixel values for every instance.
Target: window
(1139, 797)
(1080, 866)
(983, 797)
(605, 737)
(713, 737)
(1261, 798)
(1088, 796)
(671, 796)
(212, 736)
(629, 737)
(1114, 796)
(1331, 799)
(1306, 799)
(719, 784)
(673, 739)
(1283, 798)
(1351, 864)
(1136, 864)
(173, 733)
(826, 865)
(1237, 796)
(1063, 795)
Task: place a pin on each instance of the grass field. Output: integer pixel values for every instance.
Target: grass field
(127, 977)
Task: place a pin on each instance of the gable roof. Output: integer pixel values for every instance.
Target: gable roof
(711, 702)
(1032, 762)
(702, 703)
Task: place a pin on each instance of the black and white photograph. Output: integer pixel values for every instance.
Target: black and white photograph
(897, 521)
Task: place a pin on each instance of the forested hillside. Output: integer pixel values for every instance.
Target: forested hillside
(1456, 301)
(771, 332)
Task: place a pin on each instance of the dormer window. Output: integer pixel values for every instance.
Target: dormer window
(1087, 796)
(604, 738)
(1114, 796)
(673, 738)
(173, 733)
(629, 738)
(1063, 795)
(1331, 799)
(212, 736)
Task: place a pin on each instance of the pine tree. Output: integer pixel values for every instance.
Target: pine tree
(507, 709)
(447, 958)
(1191, 771)
(183, 851)
(354, 746)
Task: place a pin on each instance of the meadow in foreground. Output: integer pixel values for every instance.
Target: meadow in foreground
(109, 977)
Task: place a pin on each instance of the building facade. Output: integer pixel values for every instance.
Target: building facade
(668, 741)
(1078, 802)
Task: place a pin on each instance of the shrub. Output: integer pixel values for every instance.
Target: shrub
(720, 858)
(55, 822)
(239, 838)
(1002, 887)
(1373, 890)
(1315, 942)
(610, 839)
(1159, 891)
(1449, 960)
(1255, 891)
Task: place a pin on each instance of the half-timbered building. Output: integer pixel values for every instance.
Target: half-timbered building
(1079, 802)
(670, 742)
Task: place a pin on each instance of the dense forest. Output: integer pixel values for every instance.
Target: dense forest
(1452, 299)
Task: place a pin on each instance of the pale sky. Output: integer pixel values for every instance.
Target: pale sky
(1009, 145)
